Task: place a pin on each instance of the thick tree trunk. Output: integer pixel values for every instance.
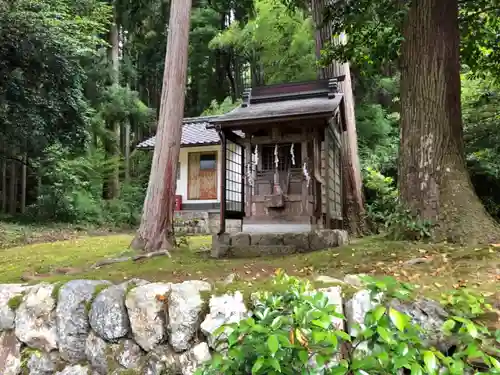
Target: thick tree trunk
(433, 177)
(112, 142)
(354, 209)
(156, 229)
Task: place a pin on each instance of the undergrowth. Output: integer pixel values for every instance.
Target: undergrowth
(298, 331)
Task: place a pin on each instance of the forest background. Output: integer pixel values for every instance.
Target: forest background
(80, 87)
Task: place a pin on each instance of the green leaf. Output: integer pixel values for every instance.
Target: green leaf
(449, 325)
(274, 363)
(273, 344)
(321, 323)
(430, 361)
(495, 363)
(384, 334)
(303, 356)
(258, 365)
(415, 369)
(472, 329)
(343, 335)
(398, 319)
(379, 312)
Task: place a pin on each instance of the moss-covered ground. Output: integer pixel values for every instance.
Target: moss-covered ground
(435, 267)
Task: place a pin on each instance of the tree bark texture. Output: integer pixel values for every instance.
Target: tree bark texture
(353, 199)
(13, 188)
(433, 178)
(112, 142)
(156, 229)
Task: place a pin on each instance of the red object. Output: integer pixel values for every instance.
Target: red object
(178, 202)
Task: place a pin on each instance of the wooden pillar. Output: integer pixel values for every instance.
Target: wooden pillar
(305, 189)
(248, 186)
(328, 144)
(318, 180)
(223, 172)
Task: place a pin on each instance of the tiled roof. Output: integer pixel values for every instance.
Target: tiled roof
(284, 108)
(194, 132)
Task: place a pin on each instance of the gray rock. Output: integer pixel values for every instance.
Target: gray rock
(430, 316)
(7, 316)
(328, 280)
(342, 237)
(162, 360)
(74, 370)
(108, 315)
(323, 239)
(96, 350)
(240, 239)
(43, 363)
(128, 354)
(355, 313)
(10, 354)
(334, 296)
(147, 314)
(298, 240)
(230, 279)
(357, 308)
(355, 280)
(223, 310)
(185, 306)
(194, 358)
(36, 318)
(266, 239)
(220, 245)
(72, 320)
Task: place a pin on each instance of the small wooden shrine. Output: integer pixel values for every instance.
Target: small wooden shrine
(282, 170)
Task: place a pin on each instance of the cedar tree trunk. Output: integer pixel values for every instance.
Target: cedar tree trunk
(111, 188)
(156, 229)
(353, 200)
(433, 178)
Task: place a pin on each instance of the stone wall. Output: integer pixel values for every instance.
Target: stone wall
(202, 222)
(89, 327)
(245, 245)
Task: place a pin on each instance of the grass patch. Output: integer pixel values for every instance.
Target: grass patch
(445, 265)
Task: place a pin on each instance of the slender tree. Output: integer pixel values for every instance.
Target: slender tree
(156, 230)
(354, 211)
(111, 144)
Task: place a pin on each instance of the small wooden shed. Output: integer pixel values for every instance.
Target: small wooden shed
(284, 173)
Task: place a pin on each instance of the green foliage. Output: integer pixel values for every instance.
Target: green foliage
(219, 109)
(465, 303)
(41, 80)
(71, 190)
(289, 331)
(386, 212)
(293, 332)
(280, 44)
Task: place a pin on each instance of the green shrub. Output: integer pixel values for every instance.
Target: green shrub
(127, 209)
(293, 332)
(387, 214)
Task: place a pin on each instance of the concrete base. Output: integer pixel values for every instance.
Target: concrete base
(248, 245)
(277, 228)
